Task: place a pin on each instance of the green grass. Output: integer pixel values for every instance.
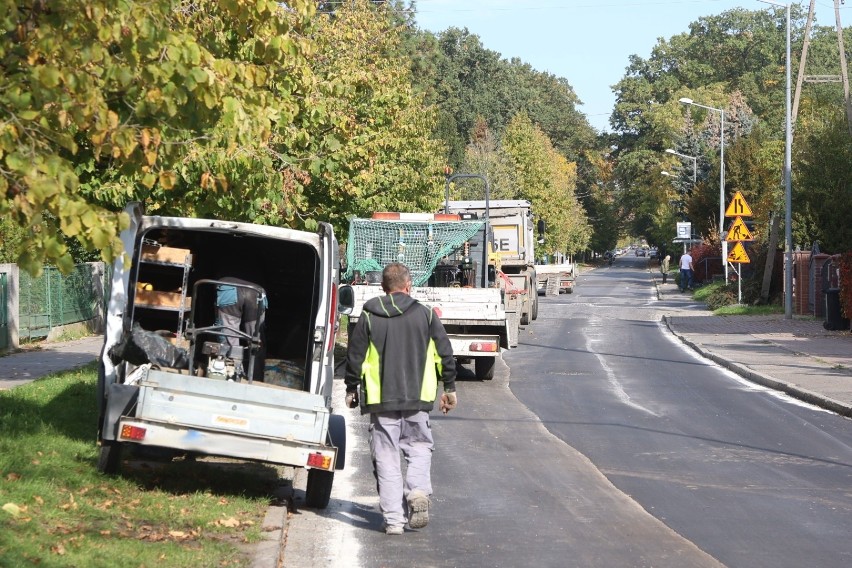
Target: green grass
(56, 510)
(740, 310)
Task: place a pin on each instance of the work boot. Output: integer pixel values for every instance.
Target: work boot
(394, 529)
(418, 509)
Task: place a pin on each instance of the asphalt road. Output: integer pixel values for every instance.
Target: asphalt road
(749, 476)
(603, 442)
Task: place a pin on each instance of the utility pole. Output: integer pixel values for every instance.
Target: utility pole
(801, 78)
(844, 74)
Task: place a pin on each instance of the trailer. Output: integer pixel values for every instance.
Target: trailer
(555, 279)
(175, 379)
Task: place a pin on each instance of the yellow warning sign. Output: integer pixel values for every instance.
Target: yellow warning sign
(738, 207)
(738, 254)
(738, 231)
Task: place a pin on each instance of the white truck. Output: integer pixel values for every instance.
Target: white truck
(175, 380)
(513, 243)
(448, 258)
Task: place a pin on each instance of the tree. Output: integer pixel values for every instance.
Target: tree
(105, 104)
(548, 181)
(386, 157)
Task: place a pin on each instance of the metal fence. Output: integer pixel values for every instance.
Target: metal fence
(53, 300)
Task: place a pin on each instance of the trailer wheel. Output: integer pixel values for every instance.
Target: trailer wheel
(318, 489)
(110, 457)
(484, 367)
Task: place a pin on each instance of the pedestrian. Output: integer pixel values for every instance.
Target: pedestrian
(397, 353)
(664, 267)
(686, 271)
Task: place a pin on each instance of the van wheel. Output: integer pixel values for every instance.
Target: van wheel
(110, 457)
(318, 490)
(484, 367)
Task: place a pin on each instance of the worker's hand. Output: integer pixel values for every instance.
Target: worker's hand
(352, 399)
(448, 401)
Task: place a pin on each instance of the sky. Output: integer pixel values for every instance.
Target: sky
(587, 42)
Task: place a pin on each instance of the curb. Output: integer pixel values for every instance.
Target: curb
(269, 552)
(804, 395)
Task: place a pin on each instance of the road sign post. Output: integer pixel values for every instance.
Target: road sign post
(737, 233)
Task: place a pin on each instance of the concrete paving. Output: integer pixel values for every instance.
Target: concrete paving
(797, 356)
(39, 360)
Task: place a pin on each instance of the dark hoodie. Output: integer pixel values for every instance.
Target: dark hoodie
(395, 331)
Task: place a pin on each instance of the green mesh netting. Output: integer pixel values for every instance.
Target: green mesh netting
(420, 245)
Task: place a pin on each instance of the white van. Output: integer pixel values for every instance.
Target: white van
(174, 377)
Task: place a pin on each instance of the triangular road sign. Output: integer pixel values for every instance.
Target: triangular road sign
(738, 207)
(738, 231)
(738, 254)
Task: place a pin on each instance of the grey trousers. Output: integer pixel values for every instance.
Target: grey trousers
(408, 432)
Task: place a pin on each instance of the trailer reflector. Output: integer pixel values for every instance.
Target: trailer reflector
(489, 347)
(319, 461)
(129, 432)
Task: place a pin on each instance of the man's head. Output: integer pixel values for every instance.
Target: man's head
(396, 278)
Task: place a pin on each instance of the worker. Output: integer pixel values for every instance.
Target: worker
(397, 353)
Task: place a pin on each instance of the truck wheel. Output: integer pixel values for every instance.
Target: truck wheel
(535, 306)
(318, 490)
(110, 457)
(484, 367)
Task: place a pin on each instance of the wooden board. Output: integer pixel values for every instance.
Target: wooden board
(151, 253)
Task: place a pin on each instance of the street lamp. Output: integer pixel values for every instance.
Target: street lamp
(694, 163)
(721, 112)
(788, 193)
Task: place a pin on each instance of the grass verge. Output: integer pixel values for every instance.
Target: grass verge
(56, 510)
(722, 300)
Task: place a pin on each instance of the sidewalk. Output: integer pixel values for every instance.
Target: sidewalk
(31, 364)
(797, 356)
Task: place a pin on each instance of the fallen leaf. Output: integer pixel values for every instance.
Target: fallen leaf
(13, 477)
(12, 509)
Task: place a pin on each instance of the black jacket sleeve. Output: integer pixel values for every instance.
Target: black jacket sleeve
(356, 351)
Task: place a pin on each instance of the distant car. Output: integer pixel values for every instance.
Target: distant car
(653, 253)
(640, 252)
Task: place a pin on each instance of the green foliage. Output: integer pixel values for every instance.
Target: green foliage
(732, 61)
(823, 181)
(546, 178)
(107, 102)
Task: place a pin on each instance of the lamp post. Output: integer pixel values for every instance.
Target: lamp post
(788, 193)
(721, 112)
(694, 163)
